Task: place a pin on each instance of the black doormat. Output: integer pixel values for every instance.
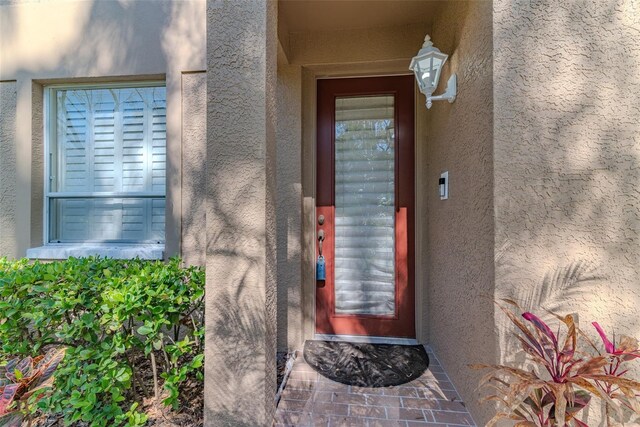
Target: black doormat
(366, 365)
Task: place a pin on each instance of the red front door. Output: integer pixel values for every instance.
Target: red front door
(365, 196)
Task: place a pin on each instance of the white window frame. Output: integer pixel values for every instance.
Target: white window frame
(49, 109)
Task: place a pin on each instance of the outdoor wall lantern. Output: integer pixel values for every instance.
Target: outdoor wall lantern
(427, 65)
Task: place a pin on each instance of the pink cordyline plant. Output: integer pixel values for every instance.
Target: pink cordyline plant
(624, 351)
(563, 380)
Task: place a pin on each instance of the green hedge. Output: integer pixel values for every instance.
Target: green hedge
(118, 318)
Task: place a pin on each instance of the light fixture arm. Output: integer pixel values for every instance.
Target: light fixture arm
(449, 93)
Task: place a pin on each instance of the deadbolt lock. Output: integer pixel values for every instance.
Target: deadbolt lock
(321, 219)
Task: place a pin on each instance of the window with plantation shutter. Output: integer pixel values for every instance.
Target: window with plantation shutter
(107, 164)
(364, 203)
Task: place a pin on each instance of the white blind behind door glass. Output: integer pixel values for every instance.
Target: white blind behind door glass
(364, 203)
(110, 149)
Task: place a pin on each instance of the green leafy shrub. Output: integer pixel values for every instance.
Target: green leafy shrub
(118, 319)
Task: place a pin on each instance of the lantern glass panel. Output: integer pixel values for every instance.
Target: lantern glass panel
(428, 71)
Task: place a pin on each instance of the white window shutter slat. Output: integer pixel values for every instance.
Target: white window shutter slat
(109, 140)
(364, 218)
(159, 147)
(73, 142)
(134, 141)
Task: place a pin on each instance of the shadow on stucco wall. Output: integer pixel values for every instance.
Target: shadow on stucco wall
(567, 150)
(100, 38)
(547, 297)
(461, 229)
(240, 214)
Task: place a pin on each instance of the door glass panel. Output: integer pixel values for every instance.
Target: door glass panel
(364, 203)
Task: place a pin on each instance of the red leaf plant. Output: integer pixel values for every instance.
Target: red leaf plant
(563, 380)
(24, 382)
(623, 390)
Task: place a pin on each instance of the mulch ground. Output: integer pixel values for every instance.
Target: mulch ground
(190, 413)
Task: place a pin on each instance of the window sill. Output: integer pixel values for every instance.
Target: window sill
(77, 250)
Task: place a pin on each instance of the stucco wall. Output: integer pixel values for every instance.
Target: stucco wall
(8, 173)
(36, 195)
(194, 155)
(567, 150)
(241, 290)
(367, 46)
(289, 205)
(424, 186)
(460, 229)
(77, 41)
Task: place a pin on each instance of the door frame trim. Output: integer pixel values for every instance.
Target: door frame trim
(402, 323)
(309, 77)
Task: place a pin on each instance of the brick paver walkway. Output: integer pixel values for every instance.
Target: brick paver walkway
(310, 399)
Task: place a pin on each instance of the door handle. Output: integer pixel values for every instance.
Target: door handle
(320, 240)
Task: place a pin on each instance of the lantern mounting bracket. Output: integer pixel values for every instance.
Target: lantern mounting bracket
(449, 93)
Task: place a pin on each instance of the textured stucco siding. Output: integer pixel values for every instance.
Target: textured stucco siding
(66, 42)
(54, 39)
(367, 46)
(460, 230)
(424, 188)
(567, 156)
(289, 206)
(308, 152)
(37, 165)
(8, 172)
(241, 296)
(194, 155)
